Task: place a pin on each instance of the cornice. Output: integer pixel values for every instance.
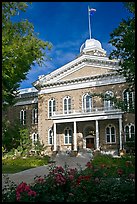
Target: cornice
(83, 60)
(78, 80)
(81, 83)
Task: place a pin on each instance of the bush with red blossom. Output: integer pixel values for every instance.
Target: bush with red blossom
(99, 182)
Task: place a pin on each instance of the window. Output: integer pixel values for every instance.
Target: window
(128, 98)
(34, 138)
(23, 117)
(67, 105)
(110, 134)
(108, 104)
(87, 102)
(35, 116)
(50, 137)
(52, 107)
(129, 132)
(68, 136)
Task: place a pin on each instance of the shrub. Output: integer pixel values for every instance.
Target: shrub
(94, 184)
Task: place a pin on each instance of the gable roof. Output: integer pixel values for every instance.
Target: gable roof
(84, 66)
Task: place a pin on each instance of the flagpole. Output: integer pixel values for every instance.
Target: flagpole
(89, 23)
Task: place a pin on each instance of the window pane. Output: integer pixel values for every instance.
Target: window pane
(66, 140)
(113, 137)
(54, 106)
(108, 138)
(132, 133)
(107, 130)
(127, 133)
(112, 130)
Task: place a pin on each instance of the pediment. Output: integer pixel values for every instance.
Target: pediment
(83, 66)
(85, 71)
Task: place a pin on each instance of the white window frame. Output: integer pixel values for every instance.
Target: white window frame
(23, 117)
(126, 99)
(50, 136)
(35, 116)
(68, 105)
(84, 102)
(68, 136)
(110, 135)
(53, 107)
(129, 126)
(108, 104)
(34, 137)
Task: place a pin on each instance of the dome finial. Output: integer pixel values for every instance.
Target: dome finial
(92, 47)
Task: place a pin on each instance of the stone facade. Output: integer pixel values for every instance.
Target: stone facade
(101, 127)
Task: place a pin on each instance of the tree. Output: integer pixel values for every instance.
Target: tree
(123, 38)
(21, 48)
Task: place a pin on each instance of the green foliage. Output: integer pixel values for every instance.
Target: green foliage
(14, 165)
(21, 48)
(94, 184)
(123, 39)
(25, 142)
(38, 147)
(10, 135)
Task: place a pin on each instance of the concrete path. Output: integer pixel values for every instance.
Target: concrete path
(60, 160)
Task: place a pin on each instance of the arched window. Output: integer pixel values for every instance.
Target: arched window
(87, 102)
(68, 136)
(23, 117)
(67, 105)
(52, 107)
(108, 103)
(34, 138)
(110, 134)
(35, 116)
(50, 137)
(129, 130)
(128, 98)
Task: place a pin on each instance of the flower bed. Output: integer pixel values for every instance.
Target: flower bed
(94, 184)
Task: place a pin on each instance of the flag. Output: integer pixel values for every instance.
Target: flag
(91, 11)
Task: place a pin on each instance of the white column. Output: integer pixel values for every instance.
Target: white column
(75, 137)
(55, 139)
(120, 133)
(97, 135)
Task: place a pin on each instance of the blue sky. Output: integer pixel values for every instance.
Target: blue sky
(65, 25)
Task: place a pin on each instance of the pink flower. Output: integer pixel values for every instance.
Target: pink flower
(131, 176)
(71, 177)
(60, 179)
(40, 180)
(32, 193)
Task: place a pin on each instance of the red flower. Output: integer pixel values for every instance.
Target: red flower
(23, 187)
(89, 165)
(120, 171)
(40, 180)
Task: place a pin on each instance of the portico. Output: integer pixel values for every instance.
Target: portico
(89, 117)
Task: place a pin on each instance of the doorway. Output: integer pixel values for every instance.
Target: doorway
(90, 142)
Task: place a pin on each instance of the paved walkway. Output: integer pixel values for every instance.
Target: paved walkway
(60, 160)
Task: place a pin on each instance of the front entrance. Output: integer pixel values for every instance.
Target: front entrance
(90, 143)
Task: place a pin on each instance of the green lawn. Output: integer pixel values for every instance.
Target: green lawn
(10, 165)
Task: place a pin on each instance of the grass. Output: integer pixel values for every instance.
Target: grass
(10, 165)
